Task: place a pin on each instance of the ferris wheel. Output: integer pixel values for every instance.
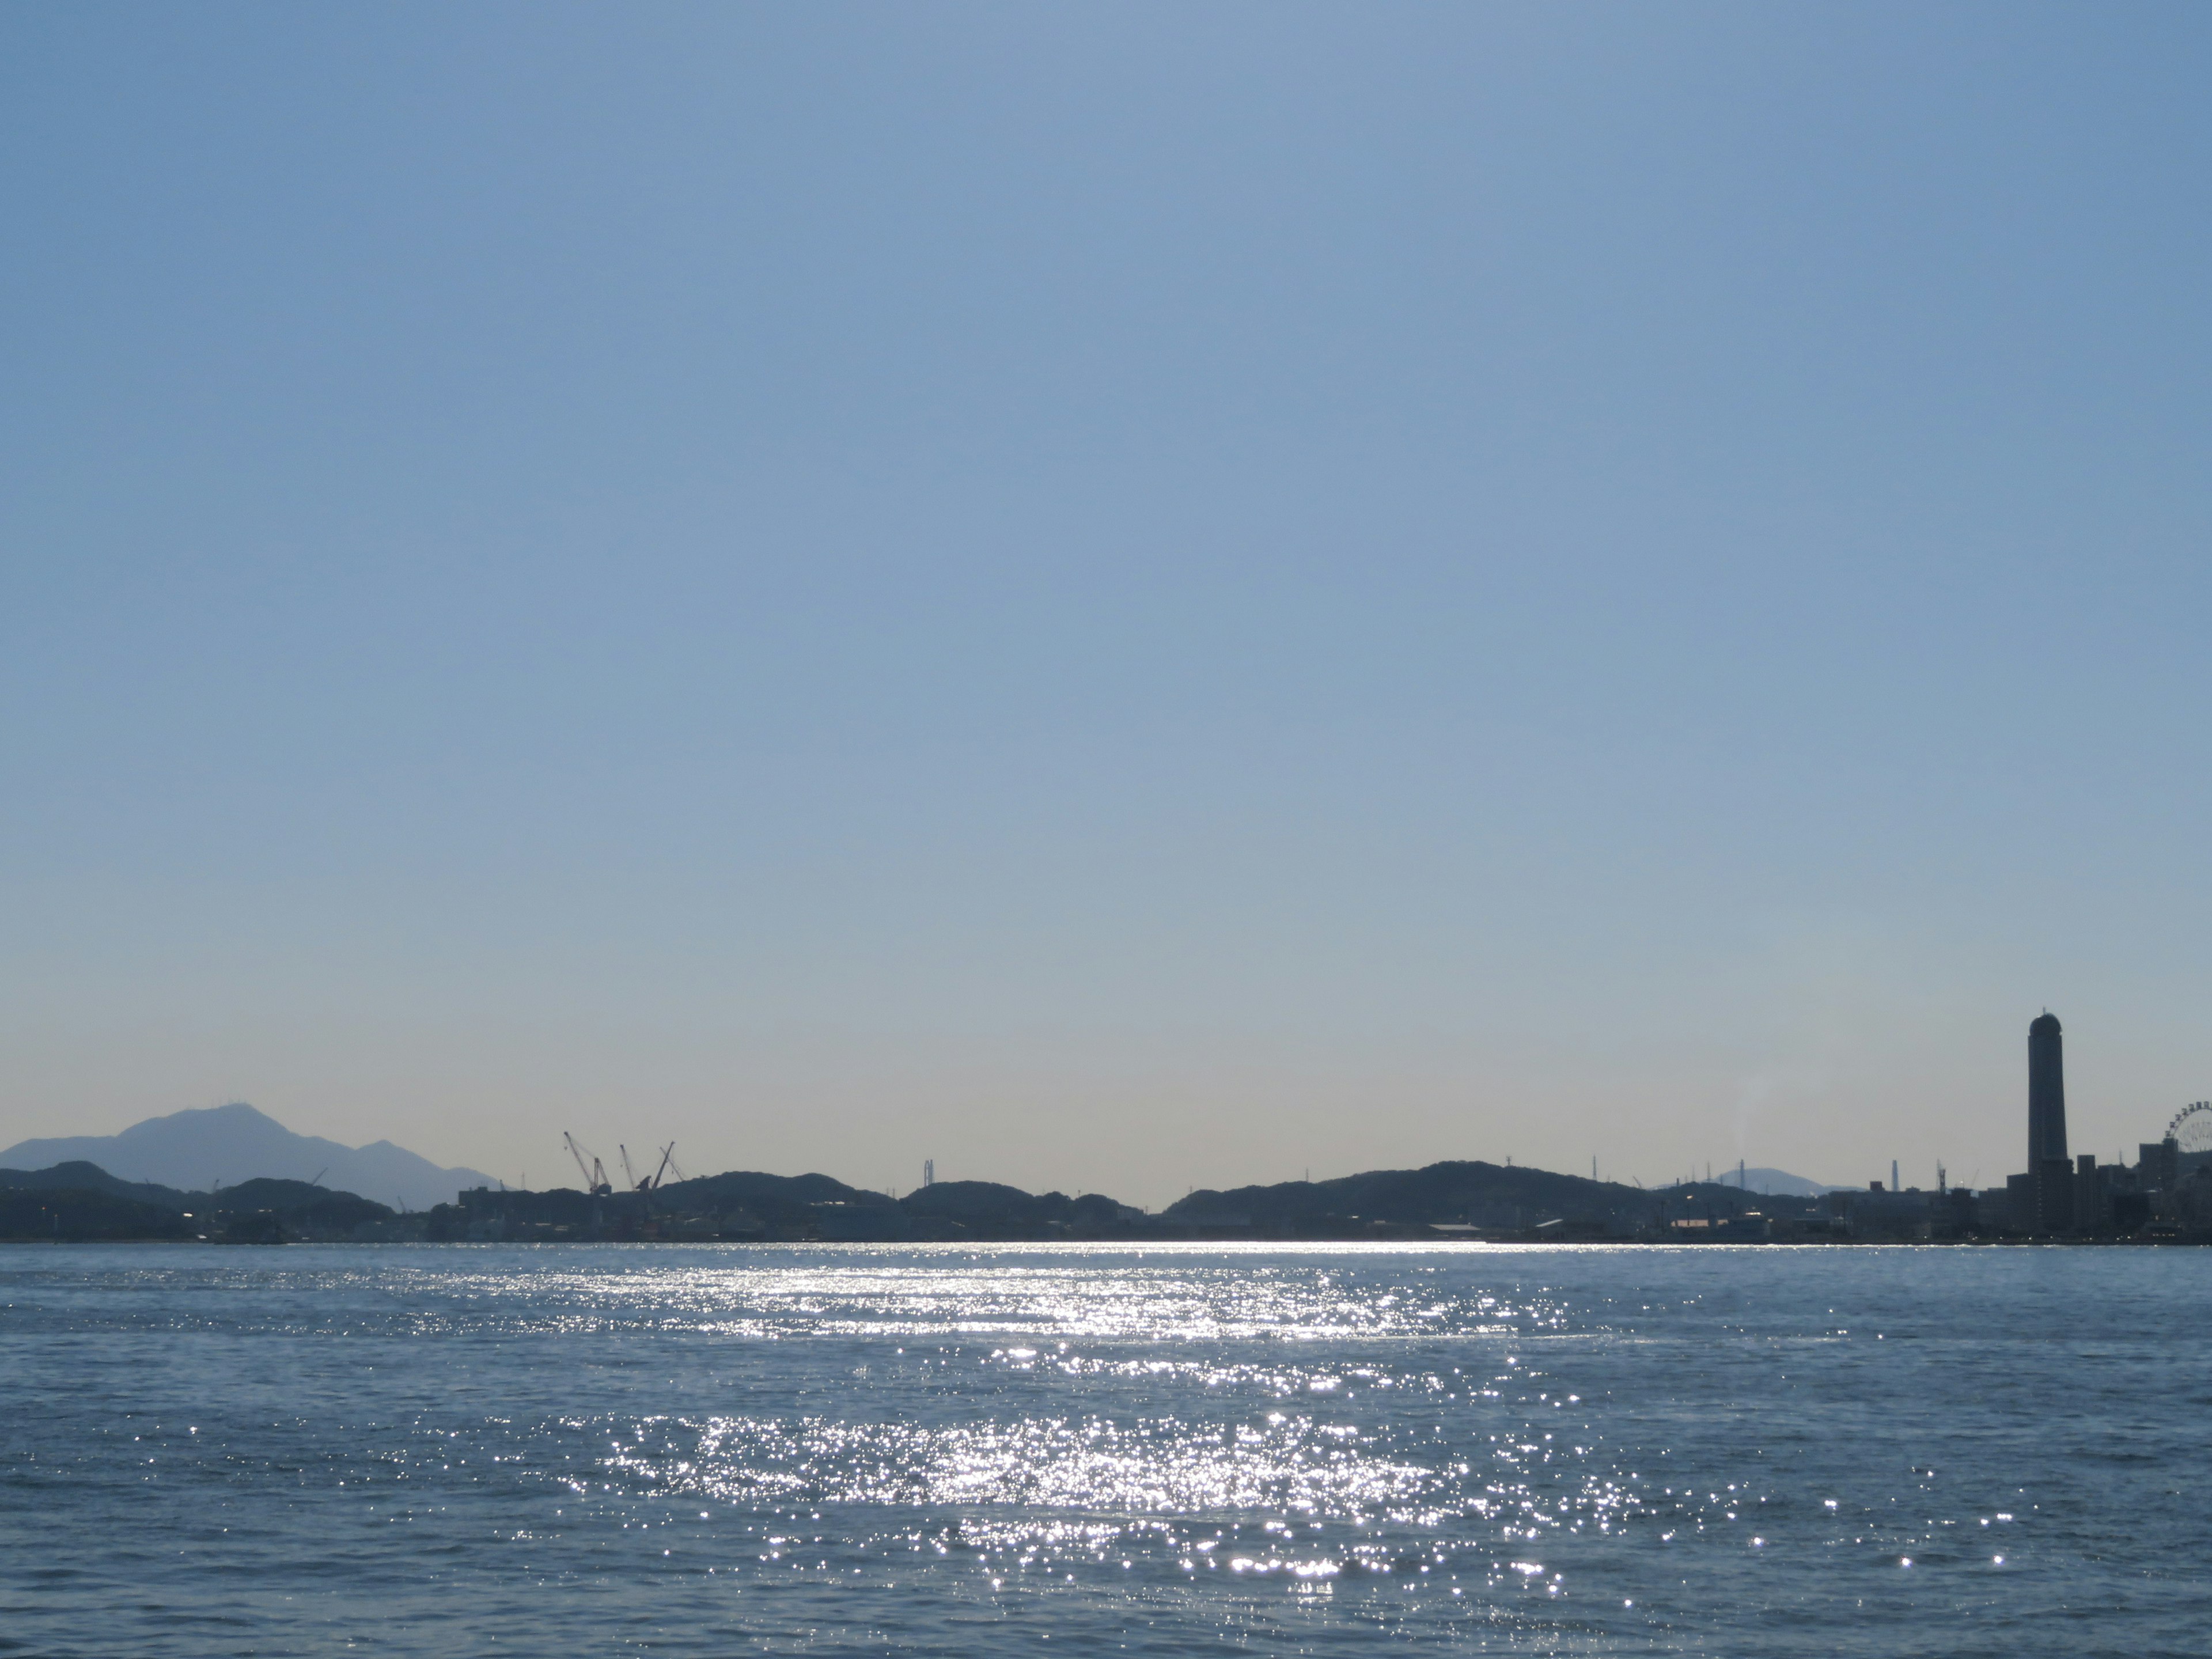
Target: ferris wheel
(2191, 1128)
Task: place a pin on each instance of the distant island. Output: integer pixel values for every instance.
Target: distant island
(78, 1201)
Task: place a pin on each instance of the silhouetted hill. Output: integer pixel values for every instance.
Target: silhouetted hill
(1482, 1194)
(752, 1203)
(80, 1201)
(76, 1214)
(985, 1201)
(987, 1206)
(298, 1201)
(225, 1144)
(79, 1176)
(771, 1197)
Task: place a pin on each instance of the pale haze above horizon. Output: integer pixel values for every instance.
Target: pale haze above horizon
(1123, 597)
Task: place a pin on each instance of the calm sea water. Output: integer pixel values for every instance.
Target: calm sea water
(712, 1451)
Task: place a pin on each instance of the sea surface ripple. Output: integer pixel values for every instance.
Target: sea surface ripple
(1190, 1450)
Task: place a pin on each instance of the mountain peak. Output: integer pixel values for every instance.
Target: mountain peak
(203, 1146)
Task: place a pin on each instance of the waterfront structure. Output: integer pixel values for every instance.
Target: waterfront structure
(2049, 1170)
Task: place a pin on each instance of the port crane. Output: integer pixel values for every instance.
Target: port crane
(651, 1182)
(596, 1181)
(595, 1173)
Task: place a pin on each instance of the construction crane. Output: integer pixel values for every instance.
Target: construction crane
(644, 1187)
(651, 1182)
(595, 1173)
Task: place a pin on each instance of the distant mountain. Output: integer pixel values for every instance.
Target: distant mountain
(231, 1144)
(1778, 1181)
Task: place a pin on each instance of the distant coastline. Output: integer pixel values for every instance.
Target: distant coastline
(1469, 1201)
(2165, 1197)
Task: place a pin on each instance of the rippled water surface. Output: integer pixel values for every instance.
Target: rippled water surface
(708, 1449)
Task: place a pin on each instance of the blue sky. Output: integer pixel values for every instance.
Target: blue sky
(1119, 597)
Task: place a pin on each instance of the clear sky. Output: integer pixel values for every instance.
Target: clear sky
(1119, 597)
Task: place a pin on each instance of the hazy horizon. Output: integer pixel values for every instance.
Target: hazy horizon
(1134, 598)
(201, 1148)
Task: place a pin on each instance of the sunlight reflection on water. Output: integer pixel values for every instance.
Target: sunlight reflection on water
(940, 1448)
